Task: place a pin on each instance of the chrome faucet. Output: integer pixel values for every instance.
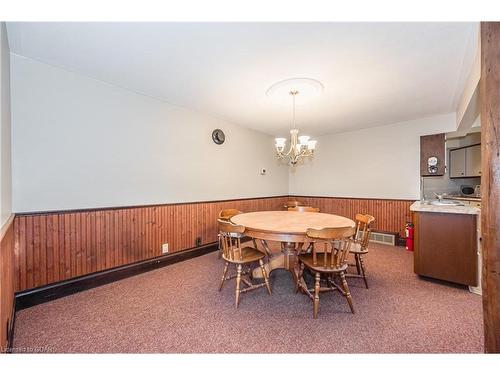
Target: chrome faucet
(440, 196)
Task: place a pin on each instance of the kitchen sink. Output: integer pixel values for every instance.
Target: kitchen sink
(446, 203)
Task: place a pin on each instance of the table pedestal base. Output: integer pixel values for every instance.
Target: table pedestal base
(286, 260)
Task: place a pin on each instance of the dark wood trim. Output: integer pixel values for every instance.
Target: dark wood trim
(12, 326)
(7, 281)
(4, 228)
(35, 296)
(361, 199)
(490, 166)
(91, 209)
(74, 210)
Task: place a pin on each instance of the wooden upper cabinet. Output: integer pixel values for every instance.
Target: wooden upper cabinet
(465, 162)
(457, 163)
(473, 161)
(432, 146)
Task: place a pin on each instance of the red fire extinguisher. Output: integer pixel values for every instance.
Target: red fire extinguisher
(409, 236)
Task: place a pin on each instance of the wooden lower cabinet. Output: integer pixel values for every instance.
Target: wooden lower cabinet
(446, 247)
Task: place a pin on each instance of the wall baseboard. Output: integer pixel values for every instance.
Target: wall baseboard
(10, 330)
(7, 282)
(50, 292)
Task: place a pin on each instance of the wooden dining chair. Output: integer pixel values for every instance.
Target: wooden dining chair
(303, 209)
(359, 247)
(228, 213)
(234, 253)
(293, 204)
(331, 262)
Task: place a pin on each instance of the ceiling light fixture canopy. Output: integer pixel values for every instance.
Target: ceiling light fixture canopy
(300, 146)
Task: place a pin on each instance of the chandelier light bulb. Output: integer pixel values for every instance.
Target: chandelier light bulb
(303, 139)
(311, 145)
(280, 141)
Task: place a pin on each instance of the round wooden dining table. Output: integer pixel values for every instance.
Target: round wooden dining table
(289, 228)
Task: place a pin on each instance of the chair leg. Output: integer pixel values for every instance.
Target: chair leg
(346, 290)
(358, 266)
(316, 295)
(250, 273)
(362, 264)
(238, 282)
(219, 254)
(264, 273)
(223, 276)
(299, 277)
(254, 243)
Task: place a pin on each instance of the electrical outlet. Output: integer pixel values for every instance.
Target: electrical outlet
(198, 241)
(164, 248)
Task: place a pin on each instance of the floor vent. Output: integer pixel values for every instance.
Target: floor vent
(383, 238)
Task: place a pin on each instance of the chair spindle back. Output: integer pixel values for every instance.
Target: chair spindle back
(230, 236)
(293, 204)
(303, 209)
(336, 245)
(228, 213)
(363, 226)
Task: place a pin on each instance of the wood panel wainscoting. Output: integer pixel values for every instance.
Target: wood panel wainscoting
(53, 247)
(7, 282)
(390, 215)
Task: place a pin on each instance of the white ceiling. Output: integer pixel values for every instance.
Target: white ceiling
(373, 73)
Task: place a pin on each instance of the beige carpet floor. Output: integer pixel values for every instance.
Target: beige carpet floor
(177, 309)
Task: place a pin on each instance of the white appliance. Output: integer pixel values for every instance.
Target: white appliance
(477, 289)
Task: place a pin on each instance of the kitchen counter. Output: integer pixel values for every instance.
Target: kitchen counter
(462, 198)
(418, 206)
(446, 242)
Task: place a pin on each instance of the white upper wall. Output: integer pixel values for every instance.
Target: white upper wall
(467, 112)
(382, 162)
(5, 129)
(374, 73)
(82, 143)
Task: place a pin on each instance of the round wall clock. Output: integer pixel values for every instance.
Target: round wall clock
(218, 136)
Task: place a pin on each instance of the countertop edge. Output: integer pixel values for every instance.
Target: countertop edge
(418, 206)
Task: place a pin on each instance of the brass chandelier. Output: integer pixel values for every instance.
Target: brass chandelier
(300, 146)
